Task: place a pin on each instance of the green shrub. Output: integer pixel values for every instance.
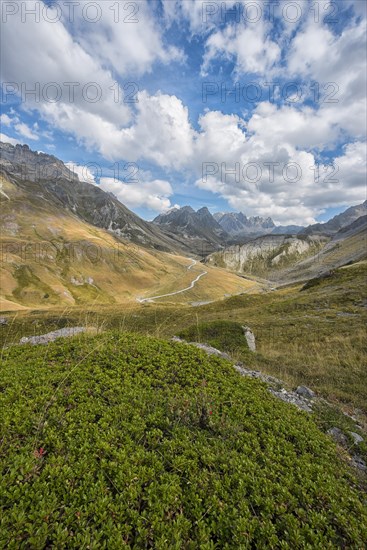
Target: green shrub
(123, 441)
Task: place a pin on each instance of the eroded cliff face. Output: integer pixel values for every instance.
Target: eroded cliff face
(266, 253)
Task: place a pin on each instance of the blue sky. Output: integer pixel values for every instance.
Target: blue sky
(250, 106)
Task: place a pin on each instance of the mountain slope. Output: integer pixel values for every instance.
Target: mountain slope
(265, 254)
(347, 246)
(337, 222)
(48, 178)
(199, 228)
(50, 257)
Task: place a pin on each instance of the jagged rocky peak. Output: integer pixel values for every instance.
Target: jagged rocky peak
(19, 160)
(237, 223)
(204, 211)
(205, 215)
(180, 217)
(175, 216)
(188, 209)
(199, 226)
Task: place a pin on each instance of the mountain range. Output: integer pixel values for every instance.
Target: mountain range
(44, 204)
(64, 242)
(237, 224)
(219, 228)
(209, 233)
(179, 230)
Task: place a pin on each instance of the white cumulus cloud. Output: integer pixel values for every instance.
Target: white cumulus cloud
(153, 195)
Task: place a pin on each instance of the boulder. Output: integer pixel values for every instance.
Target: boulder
(359, 463)
(356, 438)
(338, 436)
(177, 339)
(52, 336)
(210, 350)
(305, 392)
(291, 397)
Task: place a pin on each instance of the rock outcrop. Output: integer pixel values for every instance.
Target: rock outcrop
(52, 336)
(264, 253)
(250, 338)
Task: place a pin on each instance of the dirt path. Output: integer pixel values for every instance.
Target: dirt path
(193, 283)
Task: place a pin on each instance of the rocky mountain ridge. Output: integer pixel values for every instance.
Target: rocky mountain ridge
(238, 224)
(180, 230)
(338, 222)
(46, 177)
(200, 228)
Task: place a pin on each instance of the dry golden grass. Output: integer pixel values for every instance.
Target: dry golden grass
(333, 364)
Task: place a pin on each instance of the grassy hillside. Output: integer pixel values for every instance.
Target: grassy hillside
(123, 441)
(225, 336)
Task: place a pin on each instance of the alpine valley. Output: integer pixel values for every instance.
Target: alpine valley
(171, 383)
(65, 242)
(183, 275)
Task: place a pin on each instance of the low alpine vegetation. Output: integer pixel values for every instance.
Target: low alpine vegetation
(224, 335)
(124, 441)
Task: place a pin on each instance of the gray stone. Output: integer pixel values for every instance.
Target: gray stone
(338, 436)
(3, 321)
(257, 374)
(250, 338)
(356, 437)
(177, 339)
(359, 463)
(210, 350)
(291, 397)
(274, 383)
(51, 336)
(205, 347)
(305, 392)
